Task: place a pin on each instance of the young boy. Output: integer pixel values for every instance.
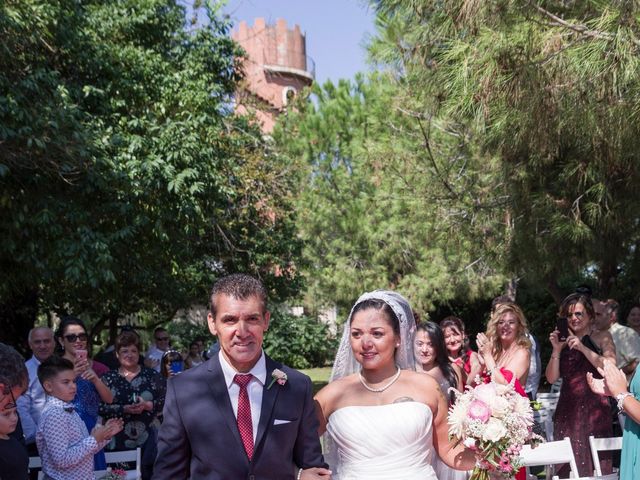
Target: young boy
(65, 446)
(14, 461)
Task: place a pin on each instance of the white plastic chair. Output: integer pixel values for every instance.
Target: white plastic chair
(545, 418)
(36, 462)
(602, 445)
(556, 386)
(125, 457)
(548, 454)
(611, 476)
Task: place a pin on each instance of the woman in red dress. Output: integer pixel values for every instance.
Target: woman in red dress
(460, 354)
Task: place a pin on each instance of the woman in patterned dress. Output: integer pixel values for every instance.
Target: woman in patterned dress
(138, 394)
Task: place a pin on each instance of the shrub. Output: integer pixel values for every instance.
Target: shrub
(300, 342)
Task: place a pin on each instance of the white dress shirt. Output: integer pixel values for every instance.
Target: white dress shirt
(155, 353)
(31, 403)
(254, 389)
(627, 342)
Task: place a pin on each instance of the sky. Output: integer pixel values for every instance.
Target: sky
(336, 30)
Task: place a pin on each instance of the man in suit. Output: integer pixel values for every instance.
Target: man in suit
(237, 416)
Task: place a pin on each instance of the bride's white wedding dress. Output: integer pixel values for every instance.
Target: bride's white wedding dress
(382, 442)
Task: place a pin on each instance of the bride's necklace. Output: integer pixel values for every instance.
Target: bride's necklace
(381, 389)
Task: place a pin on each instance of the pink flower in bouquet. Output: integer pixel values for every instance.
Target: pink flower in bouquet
(505, 464)
(485, 392)
(479, 410)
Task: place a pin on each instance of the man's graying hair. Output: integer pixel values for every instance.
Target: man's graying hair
(12, 369)
(240, 286)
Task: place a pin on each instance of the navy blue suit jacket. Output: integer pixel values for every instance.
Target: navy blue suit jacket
(199, 438)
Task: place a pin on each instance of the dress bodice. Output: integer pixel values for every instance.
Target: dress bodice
(382, 441)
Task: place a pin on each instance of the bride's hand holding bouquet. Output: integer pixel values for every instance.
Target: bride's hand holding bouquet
(494, 421)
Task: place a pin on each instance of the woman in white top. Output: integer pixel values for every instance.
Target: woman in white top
(383, 419)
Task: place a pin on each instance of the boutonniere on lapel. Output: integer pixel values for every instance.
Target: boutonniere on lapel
(277, 376)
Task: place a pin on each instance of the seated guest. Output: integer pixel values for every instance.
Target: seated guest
(91, 390)
(65, 445)
(138, 399)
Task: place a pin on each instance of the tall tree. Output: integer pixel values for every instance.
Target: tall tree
(127, 183)
(551, 90)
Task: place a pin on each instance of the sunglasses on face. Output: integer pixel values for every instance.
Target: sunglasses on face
(72, 337)
(162, 339)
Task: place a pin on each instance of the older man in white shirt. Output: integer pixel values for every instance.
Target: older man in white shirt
(31, 404)
(626, 339)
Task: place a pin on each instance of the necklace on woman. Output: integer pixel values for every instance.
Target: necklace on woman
(127, 374)
(381, 389)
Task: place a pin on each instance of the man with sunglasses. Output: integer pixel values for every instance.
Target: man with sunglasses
(155, 353)
(31, 404)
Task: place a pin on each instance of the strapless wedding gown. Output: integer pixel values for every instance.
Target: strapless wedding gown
(382, 442)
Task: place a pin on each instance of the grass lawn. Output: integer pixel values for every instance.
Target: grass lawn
(319, 377)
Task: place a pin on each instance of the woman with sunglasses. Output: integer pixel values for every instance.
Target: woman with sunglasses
(580, 412)
(91, 390)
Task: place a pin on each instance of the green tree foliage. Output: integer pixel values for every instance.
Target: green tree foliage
(377, 210)
(551, 90)
(127, 183)
(300, 342)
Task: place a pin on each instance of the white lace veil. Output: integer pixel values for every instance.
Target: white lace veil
(345, 362)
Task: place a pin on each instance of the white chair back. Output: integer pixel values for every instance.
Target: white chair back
(602, 445)
(611, 476)
(127, 456)
(556, 386)
(548, 454)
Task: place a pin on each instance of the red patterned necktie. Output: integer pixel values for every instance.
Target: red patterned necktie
(245, 426)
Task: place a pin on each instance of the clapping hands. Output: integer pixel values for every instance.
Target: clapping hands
(614, 380)
(108, 430)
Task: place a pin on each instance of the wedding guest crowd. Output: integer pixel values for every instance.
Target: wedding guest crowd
(71, 406)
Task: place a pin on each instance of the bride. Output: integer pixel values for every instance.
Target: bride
(382, 419)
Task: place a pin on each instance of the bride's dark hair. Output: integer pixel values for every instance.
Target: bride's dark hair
(381, 305)
(436, 336)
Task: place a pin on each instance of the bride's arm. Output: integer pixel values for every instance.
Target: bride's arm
(456, 457)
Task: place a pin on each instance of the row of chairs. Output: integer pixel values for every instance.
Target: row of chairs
(560, 452)
(129, 457)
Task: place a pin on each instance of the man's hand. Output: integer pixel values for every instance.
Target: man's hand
(315, 473)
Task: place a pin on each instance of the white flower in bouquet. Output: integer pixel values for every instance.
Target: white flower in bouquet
(500, 406)
(494, 431)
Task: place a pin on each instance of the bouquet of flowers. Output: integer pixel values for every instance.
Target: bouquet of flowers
(114, 474)
(494, 421)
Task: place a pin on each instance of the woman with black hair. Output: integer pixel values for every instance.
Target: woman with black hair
(432, 358)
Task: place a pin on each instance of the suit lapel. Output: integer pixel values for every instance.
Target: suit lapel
(269, 396)
(221, 399)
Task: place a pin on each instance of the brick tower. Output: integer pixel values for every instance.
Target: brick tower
(276, 69)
